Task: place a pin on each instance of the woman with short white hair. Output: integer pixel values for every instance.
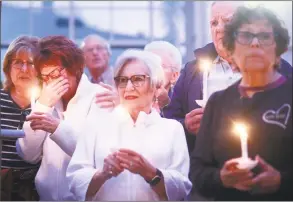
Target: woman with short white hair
(133, 153)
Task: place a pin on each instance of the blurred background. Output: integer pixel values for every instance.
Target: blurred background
(126, 24)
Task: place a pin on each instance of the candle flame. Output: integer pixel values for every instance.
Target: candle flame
(205, 65)
(241, 129)
(34, 92)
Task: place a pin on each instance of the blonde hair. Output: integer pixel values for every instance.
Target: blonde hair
(22, 43)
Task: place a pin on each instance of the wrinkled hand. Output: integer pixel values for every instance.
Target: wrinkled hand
(136, 163)
(107, 99)
(232, 177)
(268, 181)
(192, 120)
(112, 167)
(162, 97)
(53, 91)
(43, 121)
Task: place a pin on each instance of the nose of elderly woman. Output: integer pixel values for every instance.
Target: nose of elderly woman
(129, 86)
(24, 67)
(254, 42)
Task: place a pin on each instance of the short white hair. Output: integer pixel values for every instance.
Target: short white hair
(105, 43)
(168, 48)
(151, 60)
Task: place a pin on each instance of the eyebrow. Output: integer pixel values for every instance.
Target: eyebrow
(56, 67)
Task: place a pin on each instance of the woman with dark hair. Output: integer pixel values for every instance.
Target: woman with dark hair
(63, 106)
(20, 76)
(262, 100)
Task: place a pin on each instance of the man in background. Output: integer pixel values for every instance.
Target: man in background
(172, 64)
(97, 54)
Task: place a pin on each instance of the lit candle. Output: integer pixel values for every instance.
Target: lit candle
(205, 66)
(241, 130)
(34, 92)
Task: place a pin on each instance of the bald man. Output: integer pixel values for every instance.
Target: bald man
(97, 54)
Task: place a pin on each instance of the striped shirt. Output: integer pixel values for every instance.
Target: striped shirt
(12, 117)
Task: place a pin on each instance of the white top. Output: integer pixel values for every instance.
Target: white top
(107, 77)
(221, 76)
(55, 149)
(161, 141)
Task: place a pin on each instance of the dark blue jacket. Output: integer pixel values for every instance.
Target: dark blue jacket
(189, 88)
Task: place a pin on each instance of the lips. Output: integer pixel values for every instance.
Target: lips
(130, 97)
(23, 77)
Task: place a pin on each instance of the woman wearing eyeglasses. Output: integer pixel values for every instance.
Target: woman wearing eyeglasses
(20, 76)
(262, 100)
(65, 102)
(133, 154)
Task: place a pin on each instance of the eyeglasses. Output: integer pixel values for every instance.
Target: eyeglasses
(264, 38)
(18, 63)
(136, 80)
(54, 74)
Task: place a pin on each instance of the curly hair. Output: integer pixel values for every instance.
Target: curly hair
(245, 15)
(21, 43)
(59, 48)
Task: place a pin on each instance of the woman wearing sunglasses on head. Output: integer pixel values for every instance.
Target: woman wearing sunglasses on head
(133, 154)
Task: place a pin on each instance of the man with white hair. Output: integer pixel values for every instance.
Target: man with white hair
(172, 64)
(97, 54)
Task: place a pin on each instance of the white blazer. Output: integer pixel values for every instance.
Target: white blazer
(161, 141)
(55, 150)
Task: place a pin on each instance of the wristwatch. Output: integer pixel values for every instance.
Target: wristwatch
(156, 179)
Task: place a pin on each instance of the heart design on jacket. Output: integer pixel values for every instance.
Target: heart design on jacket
(279, 117)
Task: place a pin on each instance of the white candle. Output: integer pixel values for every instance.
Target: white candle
(205, 66)
(241, 130)
(33, 97)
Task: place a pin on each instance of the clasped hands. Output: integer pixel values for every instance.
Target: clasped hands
(116, 162)
(267, 181)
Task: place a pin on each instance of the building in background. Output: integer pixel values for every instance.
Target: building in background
(126, 24)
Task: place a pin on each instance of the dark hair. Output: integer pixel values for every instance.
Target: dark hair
(21, 43)
(60, 48)
(244, 15)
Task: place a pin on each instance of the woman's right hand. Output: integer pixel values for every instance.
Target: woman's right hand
(232, 177)
(112, 166)
(53, 91)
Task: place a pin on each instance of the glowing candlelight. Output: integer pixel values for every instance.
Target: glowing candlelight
(205, 66)
(34, 92)
(241, 130)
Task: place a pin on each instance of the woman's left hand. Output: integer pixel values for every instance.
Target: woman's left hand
(136, 163)
(43, 121)
(268, 181)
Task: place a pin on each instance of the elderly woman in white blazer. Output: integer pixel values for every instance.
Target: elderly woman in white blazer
(51, 130)
(132, 153)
